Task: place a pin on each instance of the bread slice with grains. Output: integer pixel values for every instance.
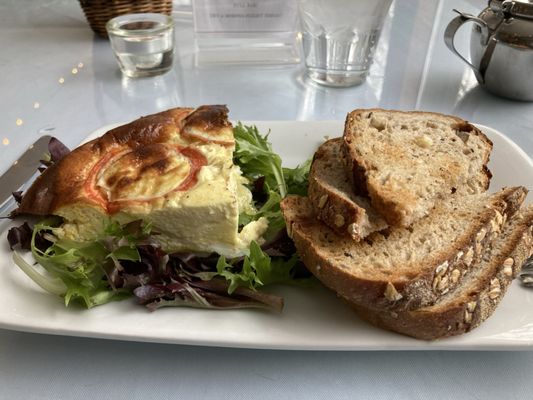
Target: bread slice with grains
(407, 161)
(475, 299)
(402, 268)
(333, 198)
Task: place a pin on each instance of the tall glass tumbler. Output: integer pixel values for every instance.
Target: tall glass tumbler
(339, 38)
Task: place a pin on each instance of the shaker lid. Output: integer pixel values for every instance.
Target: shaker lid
(509, 8)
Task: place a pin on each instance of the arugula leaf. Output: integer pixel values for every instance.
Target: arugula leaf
(257, 161)
(259, 164)
(297, 178)
(254, 155)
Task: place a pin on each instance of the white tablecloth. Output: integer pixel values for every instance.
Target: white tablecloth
(42, 42)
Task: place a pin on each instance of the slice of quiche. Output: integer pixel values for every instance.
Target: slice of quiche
(174, 169)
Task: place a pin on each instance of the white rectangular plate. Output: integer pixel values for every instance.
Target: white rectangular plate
(313, 319)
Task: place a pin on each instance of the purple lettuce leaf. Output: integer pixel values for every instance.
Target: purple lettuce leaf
(17, 196)
(204, 294)
(156, 278)
(57, 150)
(20, 236)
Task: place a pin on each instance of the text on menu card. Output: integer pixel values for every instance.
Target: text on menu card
(212, 16)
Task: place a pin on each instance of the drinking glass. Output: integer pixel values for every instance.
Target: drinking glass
(143, 43)
(339, 38)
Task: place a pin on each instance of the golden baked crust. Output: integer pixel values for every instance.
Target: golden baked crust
(148, 148)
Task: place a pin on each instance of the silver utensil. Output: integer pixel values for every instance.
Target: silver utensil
(526, 276)
(21, 172)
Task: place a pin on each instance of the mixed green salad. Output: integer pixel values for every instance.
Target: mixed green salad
(127, 260)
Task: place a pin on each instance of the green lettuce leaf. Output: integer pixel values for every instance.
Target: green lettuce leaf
(258, 269)
(81, 266)
(254, 155)
(297, 178)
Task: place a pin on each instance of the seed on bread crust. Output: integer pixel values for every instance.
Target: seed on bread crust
(494, 289)
(507, 271)
(454, 276)
(471, 306)
(441, 269)
(436, 282)
(494, 294)
(508, 265)
(443, 283)
(497, 222)
(509, 262)
(469, 256)
(468, 317)
(339, 220)
(391, 293)
(322, 201)
(481, 235)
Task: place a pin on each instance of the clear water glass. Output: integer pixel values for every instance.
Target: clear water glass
(143, 43)
(339, 38)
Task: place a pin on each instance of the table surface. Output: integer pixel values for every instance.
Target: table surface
(57, 78)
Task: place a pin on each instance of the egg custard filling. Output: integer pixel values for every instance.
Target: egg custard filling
(173, 170)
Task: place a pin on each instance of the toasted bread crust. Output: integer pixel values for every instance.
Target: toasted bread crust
(473, 305)
(401, 206)
(396, 291)
(334, 200)
(62, 184)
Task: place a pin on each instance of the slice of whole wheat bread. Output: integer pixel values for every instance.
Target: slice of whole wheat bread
(407, 161)
(476, 298)
(402, 268)
(333, 197)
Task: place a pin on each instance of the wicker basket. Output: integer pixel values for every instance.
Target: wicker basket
(98, 12)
